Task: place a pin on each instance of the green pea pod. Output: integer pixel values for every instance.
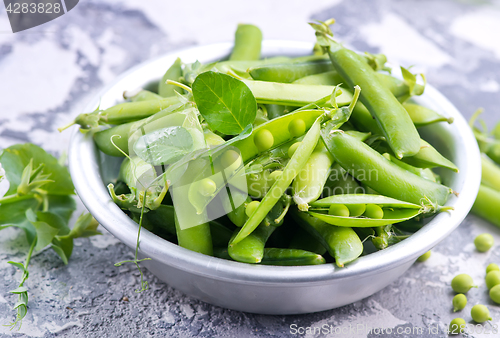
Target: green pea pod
(423, 116)
(141, 95)
(486, 204)
(173, 73)
(289, 72)
(392, 118)
(342, 243)
(390, 217)
(104, 139)
(429, 157)
(424, 173)
(278, 128)
(247, 43)
(309, 183)
(238, 215)
(124, 112)
(164, 218)
(490, 173)
(291, 257)
(196, 238)
(140, 177)
(371, 168)
(380, 200)
(282, 257)
(276, 110)
(251, 248)
(339, 182)
(291, 170)
(290, 94)
(303, 240)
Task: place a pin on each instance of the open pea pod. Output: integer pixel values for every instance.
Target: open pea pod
(391, 216)
(382, 201)
(279, 130)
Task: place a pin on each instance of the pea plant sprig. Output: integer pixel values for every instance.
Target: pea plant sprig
(39, 201)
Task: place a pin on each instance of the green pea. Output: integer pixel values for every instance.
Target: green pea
(483, 242)
(374, 211)
(492, 267)
(495, 294)
(492, 278)
(274, 176)
(338, 210)
(462, 283)
(356, 210)
(251, 207)
(297, 127)
(231, 158)
(480, 313)
(263, 140)
(457, 326)
(293, 148)
(424, 257)
(207, 187)
(459, 302)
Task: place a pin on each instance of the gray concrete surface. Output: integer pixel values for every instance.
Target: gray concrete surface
(48, 73)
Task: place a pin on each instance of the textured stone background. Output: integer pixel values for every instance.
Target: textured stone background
(48, 73)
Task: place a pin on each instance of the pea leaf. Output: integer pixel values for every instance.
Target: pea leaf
(164, 146)
(227, 104)
(15, 158)
(63, 247)
(47, 226)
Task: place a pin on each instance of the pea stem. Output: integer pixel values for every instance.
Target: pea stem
(178, 84)
(66, 127)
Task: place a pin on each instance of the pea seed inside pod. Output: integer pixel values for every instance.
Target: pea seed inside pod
(230, 160)
(263, 140)
(338, 210)
(207, 187)
(293, 148)
(297, 127)
(274, 176)
(251, 207)
(356, 210)
(373, 211)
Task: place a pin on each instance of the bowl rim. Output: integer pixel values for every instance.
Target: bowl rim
(86, 174)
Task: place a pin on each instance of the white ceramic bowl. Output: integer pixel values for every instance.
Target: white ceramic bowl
(271, 289)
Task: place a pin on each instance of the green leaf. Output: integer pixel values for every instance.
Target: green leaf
(85, 226)
(19, 290)
(47, 226)
(62, 206)
(63, 247)
(15, 159)
(226, 103)
(18, 265)
(164, 146)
